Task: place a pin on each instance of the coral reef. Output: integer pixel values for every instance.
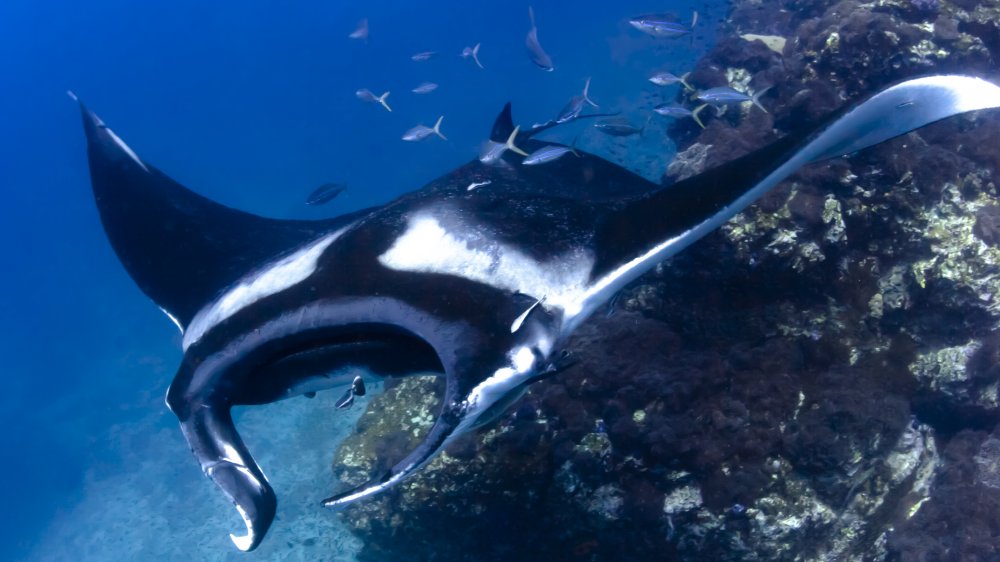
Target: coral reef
(817, 380)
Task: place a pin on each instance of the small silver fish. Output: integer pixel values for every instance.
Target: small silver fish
(476, 184)
(422, 56)
(492, 150)
(347, 400)
(546, 154)
(535, 51)
(724, 95)
(425, 88)
(666, 79)
(662, 25)
(678, 112)
(364, 94)
(574, 106)
(619, 128)
(421, 132)
(325, 193)
(519, 321)
(360, 32)
(671, 110)
(472, 52)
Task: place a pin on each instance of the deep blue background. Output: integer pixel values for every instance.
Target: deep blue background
(252, 104)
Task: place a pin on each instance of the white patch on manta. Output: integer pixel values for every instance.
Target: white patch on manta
(498, 386)
(125, 148)
(243, 542)
(173, 319)
(269, 280)
(428, 247)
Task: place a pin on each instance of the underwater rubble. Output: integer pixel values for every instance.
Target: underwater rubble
(817, 380)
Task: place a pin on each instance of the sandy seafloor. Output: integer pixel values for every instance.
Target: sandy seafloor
(143, 508)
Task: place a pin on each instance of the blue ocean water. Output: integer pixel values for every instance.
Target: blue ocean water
(251, 104)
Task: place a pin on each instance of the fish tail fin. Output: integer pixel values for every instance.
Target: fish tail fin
(381, 100)
(684, 82)
(510, 142)
(694, 114)
(756, 98)
(586, 94)
(572, 147)
(475, 55)
(694, 22)
(437, 128)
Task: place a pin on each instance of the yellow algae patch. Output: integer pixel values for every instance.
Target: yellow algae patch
(774, 42)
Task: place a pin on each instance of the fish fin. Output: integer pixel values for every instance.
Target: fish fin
(475, 55)
(502, 125)
(510, 142)
(755, 98)
(519, 321)
(694, 114)
(685, 83)
(309, 394)
(531, 16)
(586, 94)
(381, 100)
(646, 124)
(437, 128)
(694, 19)
(346, 400)
(181, 249)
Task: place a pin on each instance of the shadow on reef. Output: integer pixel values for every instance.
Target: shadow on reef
(817, 380)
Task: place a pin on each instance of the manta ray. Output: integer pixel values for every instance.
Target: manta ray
(481, 276)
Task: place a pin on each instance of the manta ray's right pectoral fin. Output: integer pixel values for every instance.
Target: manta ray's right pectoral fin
(448, 421)
(436, 439)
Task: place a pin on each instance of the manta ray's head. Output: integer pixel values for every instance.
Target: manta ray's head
(478, 389)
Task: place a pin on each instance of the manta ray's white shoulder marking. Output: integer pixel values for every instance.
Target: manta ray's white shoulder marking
(268, 280)
(428, 246)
